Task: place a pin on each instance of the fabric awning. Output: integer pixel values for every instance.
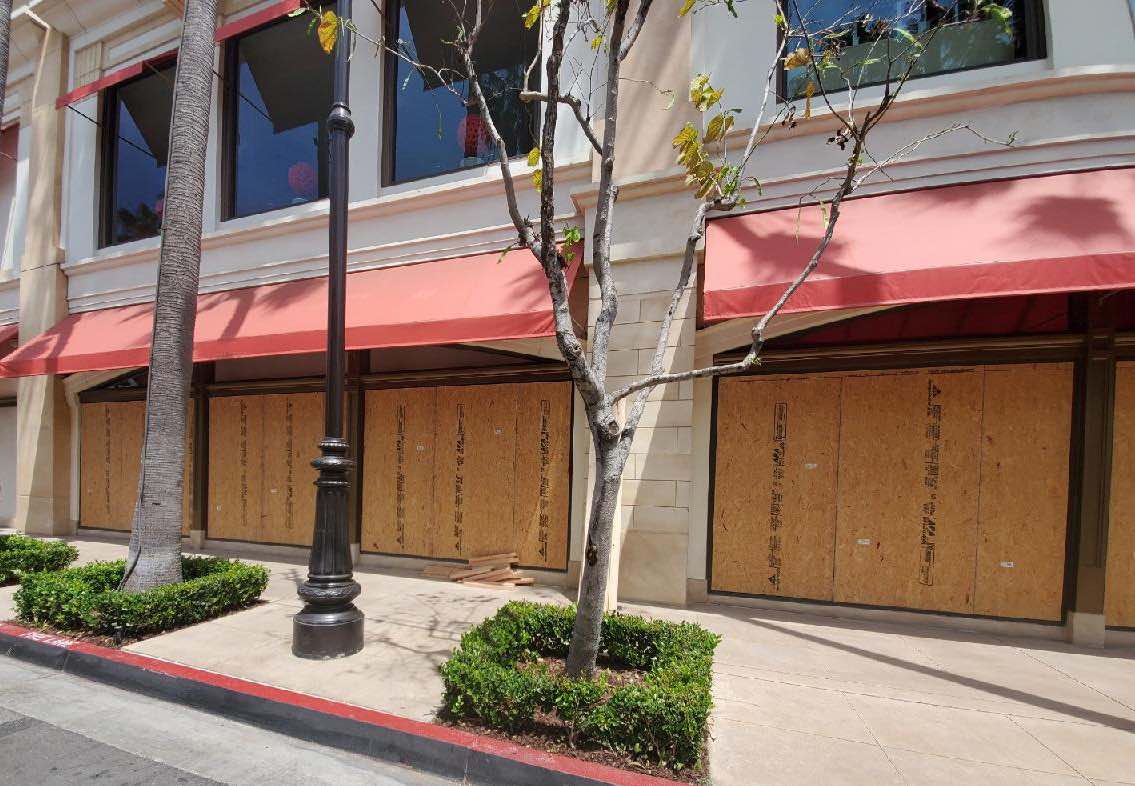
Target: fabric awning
(1052, 233)
(467, 299)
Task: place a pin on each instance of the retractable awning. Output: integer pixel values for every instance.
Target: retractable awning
(468, 299)
(1053, 233)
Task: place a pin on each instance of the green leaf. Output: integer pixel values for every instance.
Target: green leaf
(908, 36)
(596, 42)
(534, 156)
(298, 12)
(780, 21)
(687, 6)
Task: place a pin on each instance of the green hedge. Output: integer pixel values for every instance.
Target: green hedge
(86, 600)
(663, 719)
(20, 555)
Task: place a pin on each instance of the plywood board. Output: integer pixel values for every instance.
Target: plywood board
(1023, 518)
(293, 426)
(1119, 603)
(110, 463)
(474, 470)
(775, 483)
(908, 476)
(543, 490)
(126, 426)
(95, 465)
(236, 435)
(398, 471)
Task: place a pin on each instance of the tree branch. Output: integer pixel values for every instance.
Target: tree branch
(635, 28)
(576, 106)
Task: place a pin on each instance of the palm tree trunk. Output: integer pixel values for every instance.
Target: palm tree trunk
(5, 25)
(155, 539)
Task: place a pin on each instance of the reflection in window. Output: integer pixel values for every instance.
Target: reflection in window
(431, 130)
(136, 147)
(9, 149)
(862, 47)
(279, 94)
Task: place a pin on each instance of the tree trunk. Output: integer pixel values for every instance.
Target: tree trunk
(5, 26)
(155, 540)
(610, 458)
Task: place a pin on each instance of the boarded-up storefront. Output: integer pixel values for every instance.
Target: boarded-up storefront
(937, 489)
(110, 461)
(1120, 597)
(260, 474)
(462, 471)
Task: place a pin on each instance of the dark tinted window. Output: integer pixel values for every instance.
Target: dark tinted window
(967, 38)
(430, 130)
(278, 83)
(135, 149)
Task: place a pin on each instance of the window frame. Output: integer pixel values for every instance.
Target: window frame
(390, 108)
(108, 152)
(230, 102)
(1031, 20)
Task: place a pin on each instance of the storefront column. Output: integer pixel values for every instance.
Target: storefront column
(655, 506)
(43, 441)
(1086, 616)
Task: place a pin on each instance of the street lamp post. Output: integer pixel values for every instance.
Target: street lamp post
(329, 626)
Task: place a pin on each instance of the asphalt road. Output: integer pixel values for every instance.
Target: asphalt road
(58, 729)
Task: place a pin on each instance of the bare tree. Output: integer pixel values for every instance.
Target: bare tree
(155, 540)
(886, 52)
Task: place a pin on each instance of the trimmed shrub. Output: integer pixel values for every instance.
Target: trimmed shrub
(21, 555)
(495, 676)
(86, 599)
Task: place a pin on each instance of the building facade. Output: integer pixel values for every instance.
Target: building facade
(944, 422)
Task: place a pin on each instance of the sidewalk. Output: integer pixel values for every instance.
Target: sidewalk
(800, 698)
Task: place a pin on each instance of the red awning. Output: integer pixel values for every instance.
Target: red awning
(467, 299)
(1053, 233)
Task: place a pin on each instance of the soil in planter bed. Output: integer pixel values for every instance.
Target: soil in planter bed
(549, 733)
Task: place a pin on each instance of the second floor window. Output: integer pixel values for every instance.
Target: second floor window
(277, 98)
(964, 37)
(134, 153)
(430, 128)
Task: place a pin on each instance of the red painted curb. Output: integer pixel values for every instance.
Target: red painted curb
(487, 745)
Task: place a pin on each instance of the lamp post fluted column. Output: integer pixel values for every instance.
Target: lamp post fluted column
(329, 626)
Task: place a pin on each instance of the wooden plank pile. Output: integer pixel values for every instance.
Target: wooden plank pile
(491, 570)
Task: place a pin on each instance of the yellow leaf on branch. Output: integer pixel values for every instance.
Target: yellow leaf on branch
(797, 58)
(328, 31)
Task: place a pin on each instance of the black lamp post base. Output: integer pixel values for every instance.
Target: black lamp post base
(319, 635)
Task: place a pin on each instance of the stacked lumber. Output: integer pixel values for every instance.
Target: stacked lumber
(491, 570)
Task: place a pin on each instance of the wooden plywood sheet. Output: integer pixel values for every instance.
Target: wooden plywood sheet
(1119, 603)
(128, 420)
(236, 435)
(543, 488)
(293, 428)
(474, 470)
(908, 478)
(110, 463)
(96, 462)
(187, 473)
(775, 484)
(1023, 517)
(398, 471)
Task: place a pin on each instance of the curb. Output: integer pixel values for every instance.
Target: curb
(424, 746)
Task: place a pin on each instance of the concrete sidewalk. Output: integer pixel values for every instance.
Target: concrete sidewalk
(801, 698)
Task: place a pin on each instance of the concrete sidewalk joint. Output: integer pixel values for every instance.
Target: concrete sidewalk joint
(423, 746)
